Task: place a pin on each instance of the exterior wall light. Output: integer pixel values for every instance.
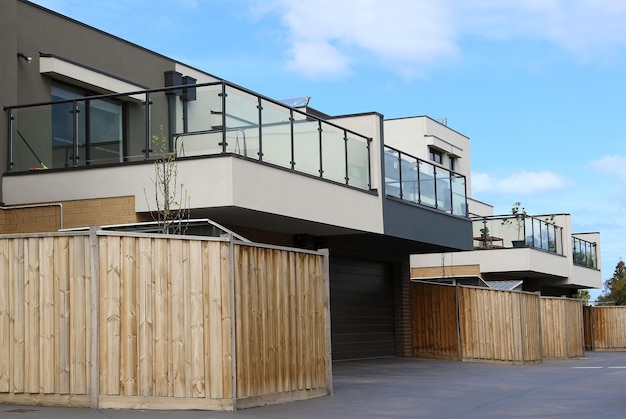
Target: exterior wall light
(25, 57)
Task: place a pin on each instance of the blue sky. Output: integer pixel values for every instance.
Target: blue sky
(538, 85)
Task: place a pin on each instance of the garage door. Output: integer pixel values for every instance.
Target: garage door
(361, 309)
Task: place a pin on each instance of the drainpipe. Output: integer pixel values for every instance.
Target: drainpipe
(56, 204)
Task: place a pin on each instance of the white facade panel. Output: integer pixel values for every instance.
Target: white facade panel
(214, 182)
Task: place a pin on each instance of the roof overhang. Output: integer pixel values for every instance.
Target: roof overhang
(77, 74)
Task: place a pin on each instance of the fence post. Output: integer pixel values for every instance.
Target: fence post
(540, 326)
(329, 363)
(458, 321)
(582, 324)
(591, 331)
(521, 326)
(233, 322)
(567, 337)
(94, 315)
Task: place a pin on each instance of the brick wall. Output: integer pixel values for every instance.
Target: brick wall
(46, 217)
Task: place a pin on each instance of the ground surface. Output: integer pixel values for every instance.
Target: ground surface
(593, 387)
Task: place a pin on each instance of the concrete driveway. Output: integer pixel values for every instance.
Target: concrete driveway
(592, 387)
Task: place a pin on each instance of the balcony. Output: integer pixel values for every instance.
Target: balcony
(417, 181)
(500, 232)
(237, 153)
(192, 121)
(584, 253)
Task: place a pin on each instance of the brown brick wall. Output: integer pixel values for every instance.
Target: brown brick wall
(78, 213)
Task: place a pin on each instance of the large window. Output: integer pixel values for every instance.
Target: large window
(97, 124)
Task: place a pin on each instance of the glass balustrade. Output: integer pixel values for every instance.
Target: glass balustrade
(584, 253)
(511, 231)
(194, 121)
(417, 181)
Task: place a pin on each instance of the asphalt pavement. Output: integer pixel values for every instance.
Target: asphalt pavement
(590, 387)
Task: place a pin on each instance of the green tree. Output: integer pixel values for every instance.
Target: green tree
(615, 287)
(583, 295)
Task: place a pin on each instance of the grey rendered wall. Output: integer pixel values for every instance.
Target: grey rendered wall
(31, 29)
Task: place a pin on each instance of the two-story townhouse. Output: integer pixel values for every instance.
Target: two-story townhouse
(82, 111)
(537, 253)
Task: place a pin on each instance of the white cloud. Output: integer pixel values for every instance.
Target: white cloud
(189, 4)
(404, 35)
(613, 165)
(409, 36)
(522, 183)
(577, 25)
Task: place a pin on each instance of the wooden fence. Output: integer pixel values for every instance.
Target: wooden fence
(138, 321)
(605, 328)
(469, 323)
(562, 328)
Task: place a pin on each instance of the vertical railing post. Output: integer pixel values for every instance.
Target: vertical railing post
(260, 108)
(10, 139)
(321, 149)
(148, 122)
(74, 132)
(345, 154)
(224, 144)
(435, 184)
(400, 174)
(292, 161)
(369, 163)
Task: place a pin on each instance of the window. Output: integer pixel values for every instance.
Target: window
(451, 163)
(98, 126)
(436, 156)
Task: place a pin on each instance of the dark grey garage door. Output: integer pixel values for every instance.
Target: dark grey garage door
(361, 309)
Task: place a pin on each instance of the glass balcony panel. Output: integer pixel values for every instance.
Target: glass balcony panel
(444, 189)
(410, 186)
(427, 184)
(135, 109)
(64, 117)
(160, 134)
(536, 233)
(544, 236)
(358, 161)
(333, 154)
(105, 143)
(558, 240)
(32, 139)
(584, 253)
(306, 144)
(242, 123)
(592, 261)
(392, 173)
(459, 203)
(276, 134)
(200, 131)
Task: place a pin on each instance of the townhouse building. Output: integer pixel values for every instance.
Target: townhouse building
(87, 113)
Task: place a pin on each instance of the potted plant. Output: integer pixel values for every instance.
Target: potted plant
(484, 232)
(518, 220)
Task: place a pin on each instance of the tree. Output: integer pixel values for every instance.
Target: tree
(615, 287)
(172, 200)
(583, 295)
